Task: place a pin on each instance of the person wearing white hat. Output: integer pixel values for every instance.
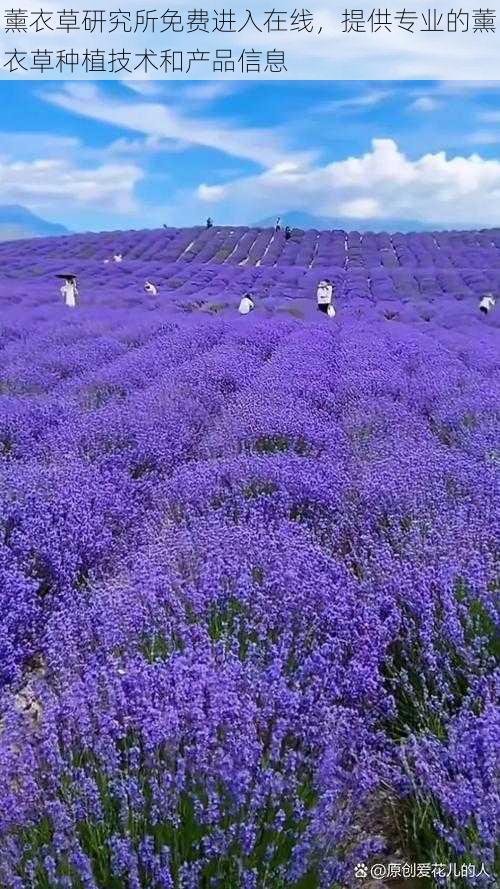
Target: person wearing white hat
(324, 297)
(246, 304)
(487, 303)
(69, 289)
(151, 288)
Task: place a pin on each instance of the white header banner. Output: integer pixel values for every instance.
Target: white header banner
(249, 41)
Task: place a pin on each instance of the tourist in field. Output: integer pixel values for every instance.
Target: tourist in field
(246, 304)
(277, 227)
(487, 303)
(118, 257)
(151, 288)
(69, 289)
(288, 233)
(210, 222)
(324, 298)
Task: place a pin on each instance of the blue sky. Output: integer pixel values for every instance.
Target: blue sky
(97, 155)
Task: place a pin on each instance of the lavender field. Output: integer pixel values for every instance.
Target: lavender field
(248, 565)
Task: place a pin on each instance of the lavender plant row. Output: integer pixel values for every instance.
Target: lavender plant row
(248, 565)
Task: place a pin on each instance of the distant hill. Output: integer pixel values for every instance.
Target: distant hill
(18, 222)
(305, 221)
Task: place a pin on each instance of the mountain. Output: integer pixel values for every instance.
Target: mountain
(18, 222)
(303, 220)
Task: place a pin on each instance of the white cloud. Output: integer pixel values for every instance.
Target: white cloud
(484, 137)
(31, 145)
(139, 147)
(383, 182)
(67, 181)
(425, 103)
(211, 193)
(360, 102)
(163, 121)
(285, 167)
(44, 183)
(362, 208)
(193, 93)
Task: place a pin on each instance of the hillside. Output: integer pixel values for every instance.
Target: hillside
(214, 267)
(248, 564)
(301, 219)
(17, 223)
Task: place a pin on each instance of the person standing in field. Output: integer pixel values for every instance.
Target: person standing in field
(69, 290)
(210, 222)
(487, 303)
(324, 298)
(288, 233)
(246, 304)
(277, 227)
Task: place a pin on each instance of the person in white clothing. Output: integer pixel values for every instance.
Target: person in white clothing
(118, 257)
(69, 290)
(324, 298)
(151, 288)
(246, 304)
(487, 303)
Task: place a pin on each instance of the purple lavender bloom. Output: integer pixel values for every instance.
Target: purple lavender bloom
(248, 576)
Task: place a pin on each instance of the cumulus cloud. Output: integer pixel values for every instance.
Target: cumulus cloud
(383, 182)
(43, 183)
